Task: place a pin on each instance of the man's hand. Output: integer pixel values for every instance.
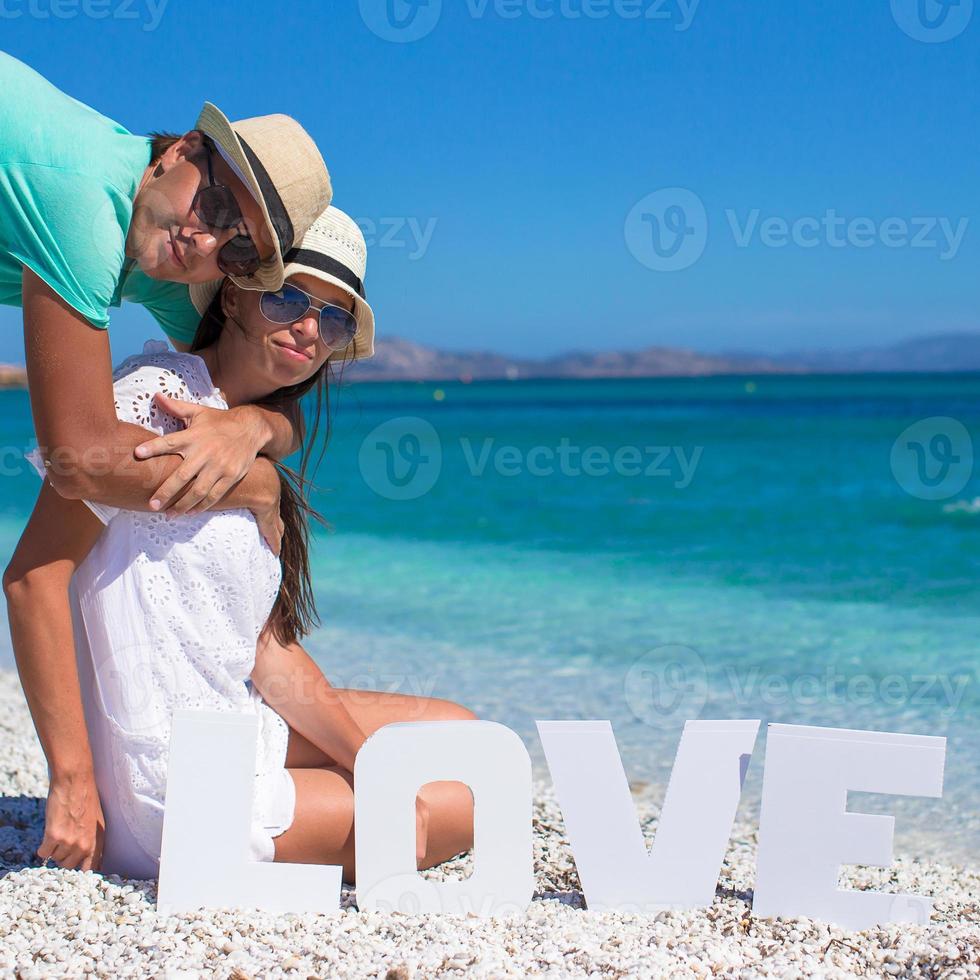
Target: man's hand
(74, 826)
(218, 447)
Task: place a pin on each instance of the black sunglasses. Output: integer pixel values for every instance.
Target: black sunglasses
(217, 207)
(291, 304)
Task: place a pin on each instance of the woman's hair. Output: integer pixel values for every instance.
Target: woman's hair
(160, 143)
(294, 614)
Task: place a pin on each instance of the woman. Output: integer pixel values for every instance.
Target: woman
(169, 611)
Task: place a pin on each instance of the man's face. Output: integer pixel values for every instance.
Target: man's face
(166, 237)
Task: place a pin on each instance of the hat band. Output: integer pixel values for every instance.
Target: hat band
(324, 263)
(281, 223)
(235, 169)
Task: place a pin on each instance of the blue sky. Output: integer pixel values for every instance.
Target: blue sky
(540, 175)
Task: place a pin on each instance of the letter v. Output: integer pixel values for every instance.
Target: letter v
(681, 869)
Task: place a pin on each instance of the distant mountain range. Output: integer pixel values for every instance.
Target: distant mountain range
(397, 359)
(944, 352)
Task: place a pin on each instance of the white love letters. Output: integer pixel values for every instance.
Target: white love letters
(206, 825)
(805, 832)
(681, 869)
(390, 768)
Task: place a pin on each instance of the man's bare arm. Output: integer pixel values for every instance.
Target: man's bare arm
(58, 536)
(90, 451)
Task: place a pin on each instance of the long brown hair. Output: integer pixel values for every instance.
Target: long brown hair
(294, 614)
(160, 143)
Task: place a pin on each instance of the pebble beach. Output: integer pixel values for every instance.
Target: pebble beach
(58, 923)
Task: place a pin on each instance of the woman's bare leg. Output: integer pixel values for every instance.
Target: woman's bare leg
(322, 831)
(450, 801)
(450, 820)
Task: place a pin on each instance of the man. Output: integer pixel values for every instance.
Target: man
(91, 215)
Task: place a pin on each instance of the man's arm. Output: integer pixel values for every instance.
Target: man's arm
(57, 538)
(90, 450)
(293, 685)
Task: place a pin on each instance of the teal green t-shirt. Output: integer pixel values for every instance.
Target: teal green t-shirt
(68, 176)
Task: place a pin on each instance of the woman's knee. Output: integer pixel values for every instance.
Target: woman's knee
(450, 820)
(322, 829)
(444, 710)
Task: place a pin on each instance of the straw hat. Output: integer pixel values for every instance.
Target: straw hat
(285, 172)
(334, 251)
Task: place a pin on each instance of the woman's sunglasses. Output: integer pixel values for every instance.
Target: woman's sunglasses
(216, 206)
(291, 304)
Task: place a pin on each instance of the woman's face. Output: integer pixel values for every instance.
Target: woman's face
(288, 353)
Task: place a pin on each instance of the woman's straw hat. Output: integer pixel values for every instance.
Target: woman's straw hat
(285, 172)
(332, 250)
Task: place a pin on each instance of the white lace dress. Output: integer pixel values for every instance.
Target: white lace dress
(167, 613)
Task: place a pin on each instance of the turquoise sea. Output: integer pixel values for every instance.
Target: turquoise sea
(646, 551)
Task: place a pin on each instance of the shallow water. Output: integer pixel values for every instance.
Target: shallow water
(650, 551)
